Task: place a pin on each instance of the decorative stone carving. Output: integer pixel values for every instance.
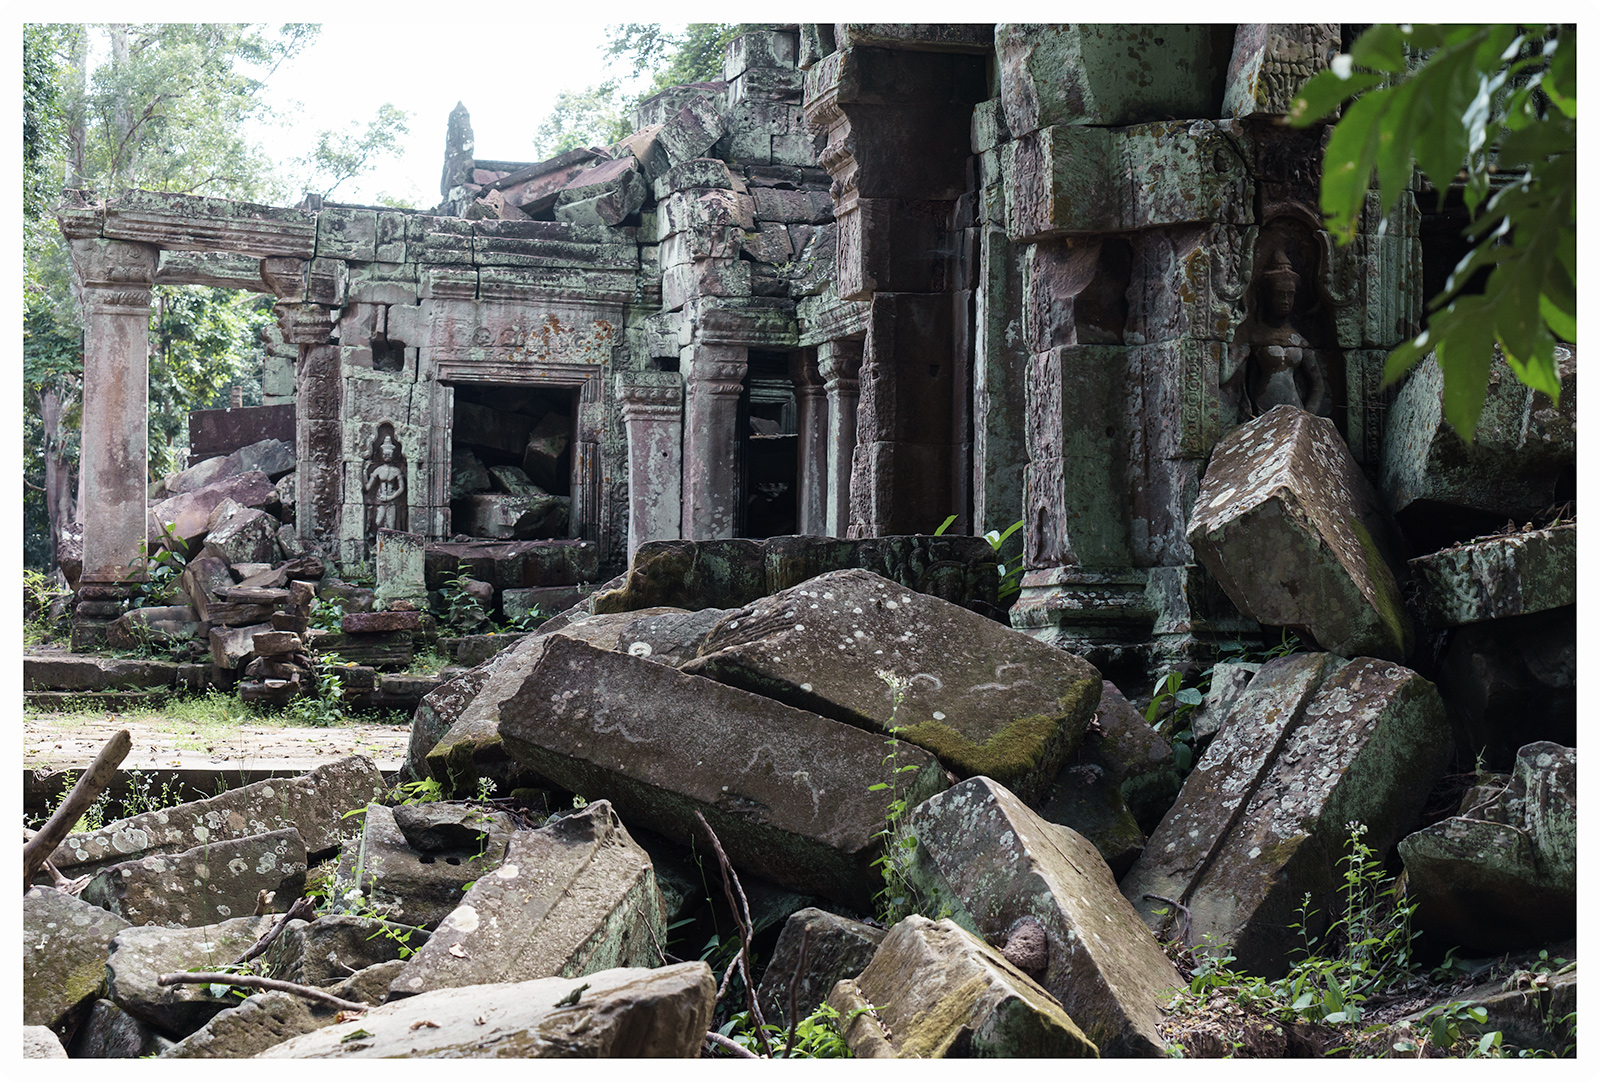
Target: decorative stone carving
(384, 486)
(1288, 333)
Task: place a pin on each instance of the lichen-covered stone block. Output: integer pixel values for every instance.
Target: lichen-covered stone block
(1108, 74)
(982, 850)
(576, 896)
(313, 804)
(1296, 537)
(204, 885)
(1272, 61)
(1519, 573)
(64, 943)
(787, 791)
(936, 991)
(1315, 744)
(853, 645)
(140, 955)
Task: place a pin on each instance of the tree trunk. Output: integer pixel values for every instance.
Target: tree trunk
(59, 484)
(77, 107)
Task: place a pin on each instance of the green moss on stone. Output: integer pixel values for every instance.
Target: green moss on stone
(1385, 591)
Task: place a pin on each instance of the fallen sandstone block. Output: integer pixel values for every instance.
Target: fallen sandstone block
(856, 647)
(1314, 744)
(788, 792)
(998, 863)
(1296, 537)
(942, 992)
(203, 885)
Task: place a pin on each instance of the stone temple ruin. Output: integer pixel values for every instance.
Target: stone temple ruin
(874, 277)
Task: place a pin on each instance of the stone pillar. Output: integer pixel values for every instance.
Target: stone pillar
(652, 413)
(812, 425)
(319, 439)
(839, 364)
(114, 278)
(714, 378)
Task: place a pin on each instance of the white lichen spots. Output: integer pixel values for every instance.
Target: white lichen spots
(805, 687)
(1194, 833)
(640, 649)
(237, 866)
(414, 982)
(799, 627)
(127, 873)
(858, 633)
(1255, 851)
(856, 610)
(265, 863)
(267, 792)
(507, 871)
(463, 918)
(938, 715)
(891, 604)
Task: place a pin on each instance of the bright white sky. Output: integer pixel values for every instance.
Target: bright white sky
(507, 75)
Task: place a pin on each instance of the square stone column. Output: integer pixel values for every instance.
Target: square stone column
(812, 424)
(839, 365)
(319, 409)
(714, 379)
(114, 278)
(652, 413)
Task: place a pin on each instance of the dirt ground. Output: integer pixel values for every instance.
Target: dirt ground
(71, 741)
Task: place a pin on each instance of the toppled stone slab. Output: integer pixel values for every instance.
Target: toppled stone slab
(664, 635)
(816, 950)
(854, 646)
(189, 513)
(269, 1018)
(140, 955)
(1498, 577)
(617, 1013)
(272, 457)
(1502, 874)
(1296, 537)
(573, 897)
(513, 564)
(437, 827)
(408, 885)
(109, 1032)
(39, 1043)
(153, 624)
(1521, 459)
(733, 573)
(241, 535)
(326, 950)
(941, 992)
(1121, 753)
(788, 792)
(1314, 744)
(498, 514)
(64, 943)
(999, 864)
(203, 885)
(313, 804)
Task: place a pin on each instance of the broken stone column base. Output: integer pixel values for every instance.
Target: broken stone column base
(99, 605)
(1102, 616)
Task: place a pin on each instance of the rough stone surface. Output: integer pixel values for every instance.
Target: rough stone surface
(1510, 681)
(1295, 535)
(64, 941)
(408, 885)
(657, 1013)
(786, 791)
(1314, 744)
(204, 885)
(1503, 873)
(109, 1032)
(942, 992)
(1520, 573)
(325, 951)
(998, 863)
(242, 535)
(815, 950)
(39, 1043)
(140, 955)
(189, 513)
(1521, 458)
(312, 804)
(733, 573)
(666, 635)
(573, 897)
(499, 515)
(269, 1018)
(983, 698)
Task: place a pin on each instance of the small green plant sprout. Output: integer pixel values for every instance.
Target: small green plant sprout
(1010, 579)
(898, 898)
(816, 1036)
(1170, 694)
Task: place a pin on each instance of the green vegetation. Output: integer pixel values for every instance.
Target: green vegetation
(1365, 956)
(815, 1036)
(1478, 105)
(899, 897)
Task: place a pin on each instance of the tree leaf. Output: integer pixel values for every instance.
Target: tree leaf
(1324, 92)
(1347, 164)
(1464, 355)
(1381, 48)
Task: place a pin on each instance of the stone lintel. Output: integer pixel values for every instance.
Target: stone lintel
(203, 224)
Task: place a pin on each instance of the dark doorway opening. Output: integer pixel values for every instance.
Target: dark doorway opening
(770, 448)
(511, 460)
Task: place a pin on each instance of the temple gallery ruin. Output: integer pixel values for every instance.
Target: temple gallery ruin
(748, 360)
